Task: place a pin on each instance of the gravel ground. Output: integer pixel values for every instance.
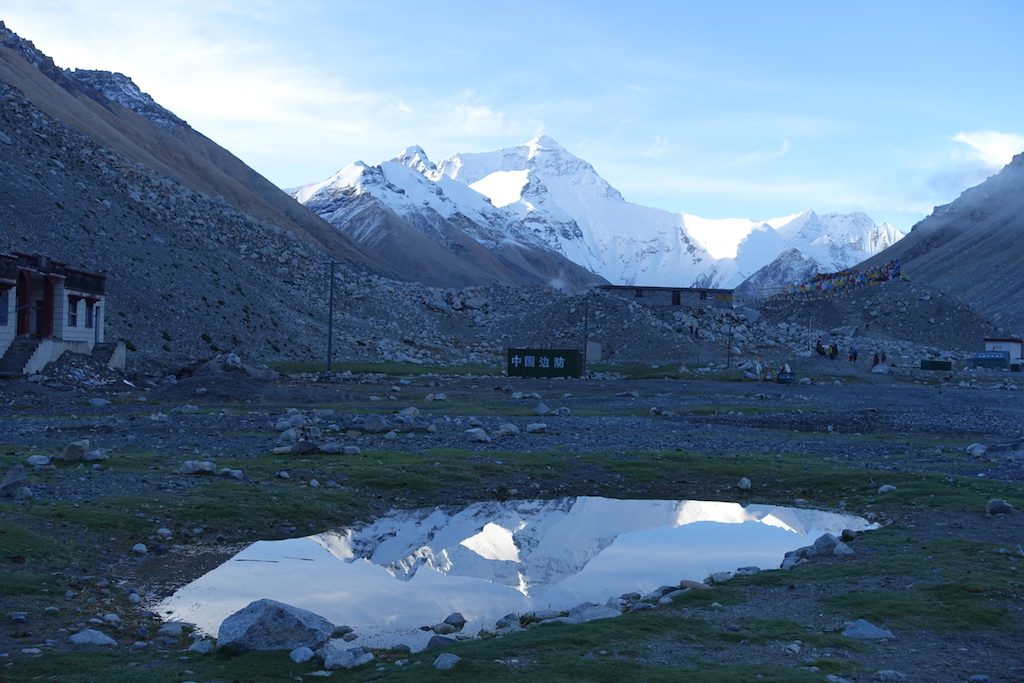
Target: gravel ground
(890, 424)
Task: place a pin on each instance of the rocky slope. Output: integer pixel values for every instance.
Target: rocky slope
(972, 247)
(112, 112)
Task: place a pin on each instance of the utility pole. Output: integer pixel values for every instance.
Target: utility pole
(586, 328)
(330, 320)
(728, 348)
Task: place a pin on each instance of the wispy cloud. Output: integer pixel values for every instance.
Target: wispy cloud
(761, 156)
(658, 148)
(991, 147)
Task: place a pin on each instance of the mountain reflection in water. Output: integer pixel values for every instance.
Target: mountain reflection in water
(413, 568)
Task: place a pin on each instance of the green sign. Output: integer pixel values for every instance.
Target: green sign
(545, 363)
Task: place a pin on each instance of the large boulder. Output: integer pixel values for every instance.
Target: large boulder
(13, 480)
(272, 625)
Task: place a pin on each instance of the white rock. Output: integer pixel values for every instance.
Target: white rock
(536, 428)
(301, 654)
(477, 434)
(886, 488)
(91, 637)
(37, 460)
(446, 660)
(743, 484)
(140, 549)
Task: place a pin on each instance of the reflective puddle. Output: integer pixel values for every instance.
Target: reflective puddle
(414, 568)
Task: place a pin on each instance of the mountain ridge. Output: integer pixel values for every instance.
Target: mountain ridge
(541, 194)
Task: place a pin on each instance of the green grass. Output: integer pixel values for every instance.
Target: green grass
(218, 505)
(14, 583)
(393, 369)
(946, 607)
(30, 545)
(822, 482)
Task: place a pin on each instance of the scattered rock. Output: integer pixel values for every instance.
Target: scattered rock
(376, 424)
(446, 660)
(337, 656)
(271, 625)
(75, 451)
(198, 467)
(478, 434)
(203, 646)
(140, 549)
(456, 619)
(743, 484)
(536, 428)
(998, 506)
(91, 637)
(37, 461)
(865, 630)
(15, 479)
(301, 654)
(440, 641)
(886, 488)
(508, 429)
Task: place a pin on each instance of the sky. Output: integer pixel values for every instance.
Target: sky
(727, 109)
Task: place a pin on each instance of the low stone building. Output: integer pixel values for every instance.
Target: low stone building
(1012, 345)
(47, 308)
(687, 297)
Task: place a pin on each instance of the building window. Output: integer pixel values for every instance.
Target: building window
(4, 298)
(90, 312)
(72, 311)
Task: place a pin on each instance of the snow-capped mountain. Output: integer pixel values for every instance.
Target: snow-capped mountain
(538, 194)
(444, 232)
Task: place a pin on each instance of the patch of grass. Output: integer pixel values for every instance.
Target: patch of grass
(18, 541)
(24, 583)
(394, 369)
(942, 607)
(820, 481)
(770, 630)
(218, 504)
(90, 666)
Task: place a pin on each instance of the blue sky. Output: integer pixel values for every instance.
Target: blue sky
(726, 109)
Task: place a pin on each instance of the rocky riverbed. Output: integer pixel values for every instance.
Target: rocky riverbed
(118, 493)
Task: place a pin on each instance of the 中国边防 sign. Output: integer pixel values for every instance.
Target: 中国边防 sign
(545, 363)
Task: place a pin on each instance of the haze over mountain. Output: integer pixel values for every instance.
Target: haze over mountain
(972, 247)
(538, 194)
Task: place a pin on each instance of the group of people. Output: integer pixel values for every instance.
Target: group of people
(831, 351)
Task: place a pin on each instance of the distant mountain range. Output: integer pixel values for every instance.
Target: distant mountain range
(540, 198)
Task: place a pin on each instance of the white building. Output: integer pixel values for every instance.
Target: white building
(47, 308)
(1014, 345)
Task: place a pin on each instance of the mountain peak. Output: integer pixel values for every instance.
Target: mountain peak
(415, 158)
(543, 143)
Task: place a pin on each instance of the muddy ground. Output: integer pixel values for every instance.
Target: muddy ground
(943, 576)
